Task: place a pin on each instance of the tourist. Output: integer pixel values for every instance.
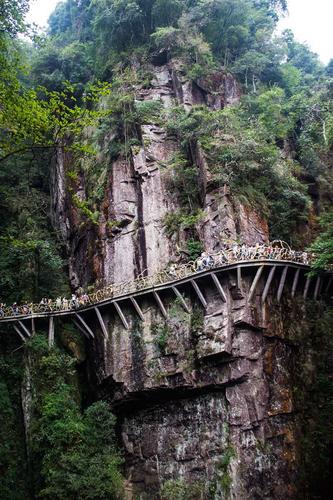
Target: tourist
(15, 309)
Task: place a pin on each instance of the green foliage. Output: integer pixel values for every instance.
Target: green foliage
(12, 13)
(14, 474)
(175, 221)
(148, 111)
(197, 322)
(178, 489)
(83, 206)
(161, 332)
(73, 453)
(194, 249)
(323, 245)
(31, 260)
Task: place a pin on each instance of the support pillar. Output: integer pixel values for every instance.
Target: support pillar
(255, 282)
(181, 299)
(199, 294)
(51, 331)
(137, 308)
(121, 315)
(295, 282)
(87, 328)
(306, 288)
(160, 305)
(101, 322)
(219, 287)
(282, 282)
(268, 284)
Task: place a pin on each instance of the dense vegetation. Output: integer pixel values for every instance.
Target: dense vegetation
(273, 150)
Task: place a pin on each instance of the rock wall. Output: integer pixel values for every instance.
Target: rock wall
(138, 198)
(207, 397)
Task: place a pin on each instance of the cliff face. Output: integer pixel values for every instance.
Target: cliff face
(206, 397)
(209, 397)
(138, 198)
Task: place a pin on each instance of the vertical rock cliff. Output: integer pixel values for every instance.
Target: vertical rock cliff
(206, 398)
(130, 236)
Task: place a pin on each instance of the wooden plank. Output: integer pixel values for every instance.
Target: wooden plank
(82, 330)
(20, 334)
(182, 300)
(160, 304)
(282, 283)
(268, 284)
(25, 328)
(85, 325)
(295, 282)
(101, 322)
(121, 315)
(137, 308)
(219, 287)
(255, 282)
(239, 277)
(199, 294)
(306, 288)
(51, 331)
(316, 290)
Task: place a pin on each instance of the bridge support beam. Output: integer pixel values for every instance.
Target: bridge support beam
(330, 281)
(295, 282)
(20, 334)
(121, 315)
(239, 277)
(268, 284)
(306, 288)
(181, 299)
(160, 305)
(199, 294)
(87, 328)
(255, 282)
(219, 287)
(316, 290)
(282, 283)
(79, 327)
(137, 308)
(101, 322)
(24, 328)
(51, 331)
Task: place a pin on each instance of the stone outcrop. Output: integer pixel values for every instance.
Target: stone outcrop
(207, 397)
(137, 195)
(204, 397)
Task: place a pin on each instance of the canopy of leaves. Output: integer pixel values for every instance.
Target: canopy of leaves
(74, 454)
(323, 245)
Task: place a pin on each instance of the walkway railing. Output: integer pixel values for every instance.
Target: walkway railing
(235, 253)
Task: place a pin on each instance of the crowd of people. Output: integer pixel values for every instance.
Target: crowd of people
(46, 305)
(229, 253)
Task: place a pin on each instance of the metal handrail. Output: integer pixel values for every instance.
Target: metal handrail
(235, 253)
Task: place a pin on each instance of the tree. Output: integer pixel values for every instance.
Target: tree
(74, 453)
(323, 244)
(12, 13)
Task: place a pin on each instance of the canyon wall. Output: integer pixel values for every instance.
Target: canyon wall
(205, 397)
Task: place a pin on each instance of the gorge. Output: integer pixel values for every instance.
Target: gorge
(213, 132)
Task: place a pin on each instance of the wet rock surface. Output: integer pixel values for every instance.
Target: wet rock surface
(204, 396)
